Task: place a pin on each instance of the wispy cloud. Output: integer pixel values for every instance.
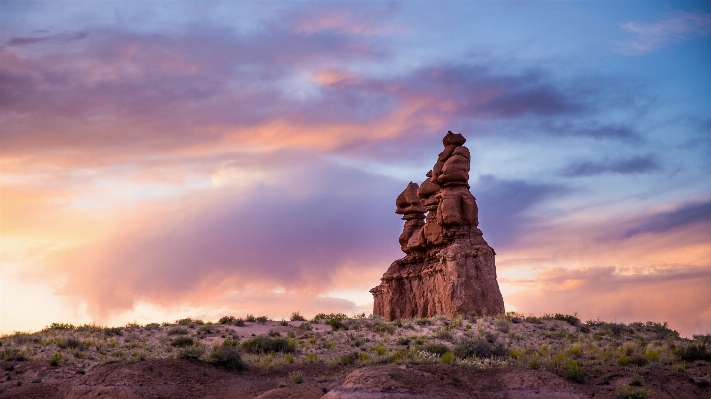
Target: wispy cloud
(634, 165)
(679, 27)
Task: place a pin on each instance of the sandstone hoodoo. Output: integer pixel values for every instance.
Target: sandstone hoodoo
(448, 268)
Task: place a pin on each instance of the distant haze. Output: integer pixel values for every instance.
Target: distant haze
(164, 160)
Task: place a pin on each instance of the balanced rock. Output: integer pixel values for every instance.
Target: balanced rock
(448, 268)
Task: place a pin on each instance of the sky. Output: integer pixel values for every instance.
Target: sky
(161, 160)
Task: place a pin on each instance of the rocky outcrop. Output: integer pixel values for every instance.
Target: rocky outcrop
(448, 268)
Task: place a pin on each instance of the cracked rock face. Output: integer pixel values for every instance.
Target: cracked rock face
(448, 268)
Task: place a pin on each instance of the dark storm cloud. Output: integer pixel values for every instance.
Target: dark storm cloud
(662, 222)
(635, 165)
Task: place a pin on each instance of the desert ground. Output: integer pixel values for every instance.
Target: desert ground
(334, 356)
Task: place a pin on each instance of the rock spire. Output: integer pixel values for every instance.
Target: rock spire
(448, 268)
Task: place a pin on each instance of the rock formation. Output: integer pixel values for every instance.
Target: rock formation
(448, 268)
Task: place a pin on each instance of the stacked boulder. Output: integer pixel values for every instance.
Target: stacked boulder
(449, 268)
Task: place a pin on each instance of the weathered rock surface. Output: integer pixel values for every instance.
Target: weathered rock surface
(449, 268)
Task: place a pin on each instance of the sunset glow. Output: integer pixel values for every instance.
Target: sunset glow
(198, 159)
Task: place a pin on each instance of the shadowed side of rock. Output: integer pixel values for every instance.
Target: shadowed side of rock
(449, 268)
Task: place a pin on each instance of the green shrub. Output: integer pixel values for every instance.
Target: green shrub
(208, 328)
(533, 320)
(312, 357)
(423, 322)
(404, 341)
(227, 320)
(349, 358)
(178, 331)
(384, 327)
(182, 342)
(574, 371)
(15, 354)
(191, 352)
(380, 349)
(274, 333)
(297, 376)
(570, 319)
(693, 352)
(296, 316)
(71, 343)
(234, 341)
(467, 347)
(437, 349)
(261, 319)
(54, 361)
(151, 326)
(629, 393)
(336, 322)
(503, 325)
(262, 344)
(228, 357)
(250, 318)
(448, 358)
(112, 331)
(239, 322)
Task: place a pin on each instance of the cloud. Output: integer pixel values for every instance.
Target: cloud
(64, 36)
(295, 236)
(634, 165)
(678, 27)
(503, 206)
(665, 221)
(675, 293)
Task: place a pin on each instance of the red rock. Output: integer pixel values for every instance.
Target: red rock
(449, 268)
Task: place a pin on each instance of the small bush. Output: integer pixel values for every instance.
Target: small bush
(297, 376)
(404, 341)
(112, 331)
(284, 323)
(191, 352)
(693, 352)
(380, 349)
(467, 347)
(13, 354)
(349, 358)
(336, 322)
(262, 319)
(384, 327)
(234, 341)
(239, 322)
(629, 393)
(312, 357)
(151, 326)
(71, 343)
(448, 358)
(262, 344)
(296, 316)
(250, 318)
(178, 331)
(533, 320)
(227, 320)
(56, 358)
(423, 322)
(574, 371)
(570, 319)
(207, 328)
(228, 357)
(437, 349)
(274, 333)
(182, 342)
(305, 327)
(503, 325)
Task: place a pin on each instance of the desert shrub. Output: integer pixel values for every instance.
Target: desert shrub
(704, 339)
(191, 352)
(305, 327)
(185, 322)
(574, 370)
(227, 320)
(151, 326)
(297, 376)
(448, 358)
(112, 331)
(283, 323)
(228, 357)
(182, 342)
(444, 334)
(55, 359)
(336, 322)
(13, 354)
(438, 349)
(693, 352)
(630, 393)
(576, 351)
(573, 320)
(234, 341)
(312, 357)
(24, 338)
(59, 327)
(178, 331)
(250, 318)
(262, 344)
(533, 320)
(349, 358)
(503, 325)
(274, 333)
(384, 327)
(535, 363)
(380, 349)
(423, 322)
(467, 347)
(207, 328)
(614, 328)
(296, 316)
(262, 319)
(405, 341)
(71, 343)
(514, 317)
(239, 322)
